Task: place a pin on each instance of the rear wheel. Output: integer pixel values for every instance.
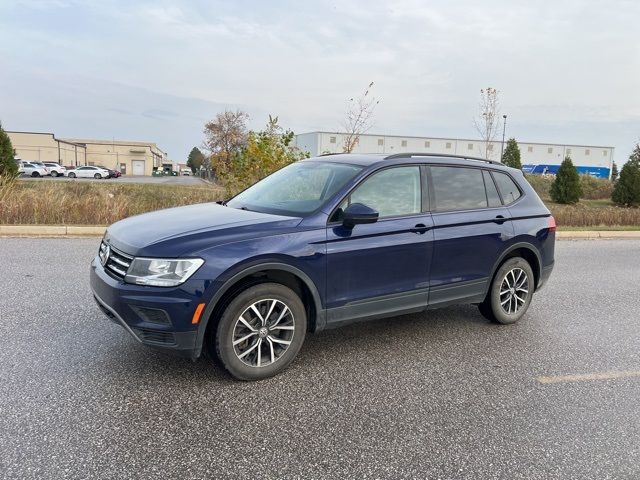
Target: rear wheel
(261, 331)
(511, 292)
(97, 176)
(54, 173)
(35, 174)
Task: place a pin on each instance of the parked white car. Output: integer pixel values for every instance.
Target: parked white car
(40, 164)
(186, 171)
(55, 169)
(88, 172)
(32, 170)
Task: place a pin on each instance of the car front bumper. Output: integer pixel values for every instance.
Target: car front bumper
(159, 318)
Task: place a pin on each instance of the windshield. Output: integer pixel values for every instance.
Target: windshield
(297, 190)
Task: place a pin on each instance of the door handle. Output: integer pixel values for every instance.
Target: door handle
(419, 228)
(499, 219)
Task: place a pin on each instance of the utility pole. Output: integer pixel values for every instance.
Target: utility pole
(504, 127)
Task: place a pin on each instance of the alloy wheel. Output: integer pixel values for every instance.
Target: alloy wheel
(263, 332)
(514, 290)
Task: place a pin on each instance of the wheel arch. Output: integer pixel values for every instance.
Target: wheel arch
(276, 272)
(525, 250)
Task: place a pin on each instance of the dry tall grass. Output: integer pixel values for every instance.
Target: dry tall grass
(43, 202)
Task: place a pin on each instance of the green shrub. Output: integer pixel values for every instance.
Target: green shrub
(595, 188)
(627, 190)
(541, 184)
(8, 166)
(566, 187)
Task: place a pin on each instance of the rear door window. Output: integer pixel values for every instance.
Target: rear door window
(458, 188)
(508, 188)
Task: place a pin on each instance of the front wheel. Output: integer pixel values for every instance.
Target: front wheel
(261, 331)
(54, 173)
(511, 292)
(72, 175)
(35, 174)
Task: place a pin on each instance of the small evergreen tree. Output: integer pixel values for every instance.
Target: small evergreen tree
(511, 155)
(8, 166)
(627, 189)
(566, 186)
(195, 160)
(614, 172)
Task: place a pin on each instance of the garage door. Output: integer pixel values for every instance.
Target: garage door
(138, 167)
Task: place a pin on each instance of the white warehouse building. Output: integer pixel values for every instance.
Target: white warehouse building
(535, 157)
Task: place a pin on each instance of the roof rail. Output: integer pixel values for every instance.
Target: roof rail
(446, 155)
(328, 154)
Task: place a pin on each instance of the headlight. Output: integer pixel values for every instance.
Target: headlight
(161, 272)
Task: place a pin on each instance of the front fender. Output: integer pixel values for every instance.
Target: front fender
(237, 273)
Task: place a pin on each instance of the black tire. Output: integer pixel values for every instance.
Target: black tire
(72, 175)
(230, 329)
(35, 174)
(510, 293)
(54, 173)
(97, 176)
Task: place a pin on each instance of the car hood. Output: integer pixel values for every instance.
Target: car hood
(183, 231)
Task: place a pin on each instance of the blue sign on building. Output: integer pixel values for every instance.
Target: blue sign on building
(540, 169)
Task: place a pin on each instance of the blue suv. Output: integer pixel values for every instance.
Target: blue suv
(321, 243)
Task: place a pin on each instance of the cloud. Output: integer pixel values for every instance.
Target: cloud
(558, 65)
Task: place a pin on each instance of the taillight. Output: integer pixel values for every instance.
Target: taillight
(552, 224)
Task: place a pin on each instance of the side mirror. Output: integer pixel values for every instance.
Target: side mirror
(357, 213)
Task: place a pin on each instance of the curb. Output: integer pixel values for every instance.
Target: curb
(596, 234)
(98, 231)
(51, 231)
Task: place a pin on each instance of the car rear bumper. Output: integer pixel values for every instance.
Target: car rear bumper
(155, 321)
(544, 275)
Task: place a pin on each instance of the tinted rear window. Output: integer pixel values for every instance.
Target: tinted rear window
(458, 188)
(508, 188)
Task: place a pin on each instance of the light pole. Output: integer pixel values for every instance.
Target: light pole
(504, 127)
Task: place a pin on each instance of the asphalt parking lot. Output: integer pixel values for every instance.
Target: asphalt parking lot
(443, 394)
(177, 180)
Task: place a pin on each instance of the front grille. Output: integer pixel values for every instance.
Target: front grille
(115, 262)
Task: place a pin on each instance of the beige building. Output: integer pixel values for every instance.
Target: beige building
(130, 158)
(45, 147)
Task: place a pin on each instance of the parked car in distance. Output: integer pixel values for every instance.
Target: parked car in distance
(324, 242)
(55, 169)
(88, 172)
(186, 171)
(41, 165)
(32, 170)
(112, 173)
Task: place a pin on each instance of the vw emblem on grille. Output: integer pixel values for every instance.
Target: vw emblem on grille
(104, 255)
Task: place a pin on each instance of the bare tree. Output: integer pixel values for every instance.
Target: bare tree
(226, 134)
(487, 122)
(359, 118)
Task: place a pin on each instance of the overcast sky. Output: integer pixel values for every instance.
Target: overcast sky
(567, 71)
